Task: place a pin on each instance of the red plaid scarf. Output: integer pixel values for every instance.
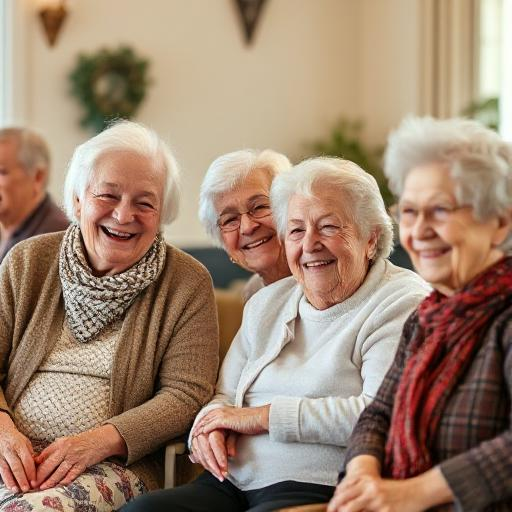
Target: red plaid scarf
(445, 342)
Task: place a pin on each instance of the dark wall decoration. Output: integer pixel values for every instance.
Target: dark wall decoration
(250, 11)
(109, 84)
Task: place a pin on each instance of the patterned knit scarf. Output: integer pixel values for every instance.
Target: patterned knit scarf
(91, 303)
(449, 334)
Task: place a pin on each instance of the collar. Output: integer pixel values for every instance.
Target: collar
(36, 213)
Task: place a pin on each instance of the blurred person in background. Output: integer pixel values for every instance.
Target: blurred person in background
(234, 208)
(25, 207)
(439, 434)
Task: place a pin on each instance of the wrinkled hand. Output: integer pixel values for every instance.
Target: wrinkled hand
(68, 457)
(371, 493)
(212, 451)
(17, 467)
(244, 420)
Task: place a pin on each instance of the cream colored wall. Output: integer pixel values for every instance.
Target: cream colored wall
(311, 62)
(390, 64)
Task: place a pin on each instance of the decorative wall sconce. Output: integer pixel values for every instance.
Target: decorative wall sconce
(52, 15)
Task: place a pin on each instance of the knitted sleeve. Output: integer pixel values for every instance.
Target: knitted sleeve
(6, 325)
(185, 379)
(311, 420)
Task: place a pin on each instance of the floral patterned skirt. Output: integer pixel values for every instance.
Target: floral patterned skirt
(101, 488)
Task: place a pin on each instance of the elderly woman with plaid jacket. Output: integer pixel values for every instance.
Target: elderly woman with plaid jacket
(439, 434)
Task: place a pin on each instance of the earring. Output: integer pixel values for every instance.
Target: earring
(232, 260)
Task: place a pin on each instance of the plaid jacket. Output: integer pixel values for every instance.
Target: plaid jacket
(474, 441)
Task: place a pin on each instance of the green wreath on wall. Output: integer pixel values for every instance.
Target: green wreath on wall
(109, 84)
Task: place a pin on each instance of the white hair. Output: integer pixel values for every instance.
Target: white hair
(478, 159)
(228, 171)
(358, 193)
(31, 149)
(132, 138)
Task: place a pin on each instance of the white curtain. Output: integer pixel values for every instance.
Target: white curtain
(449, 35)
(506, 87)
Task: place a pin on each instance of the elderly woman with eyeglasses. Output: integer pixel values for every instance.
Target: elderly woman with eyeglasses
(108, 335)
(439, 431)
(234, 208)
(310, 354)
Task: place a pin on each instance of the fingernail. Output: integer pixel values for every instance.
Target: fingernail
(15, 490)
(224, 474)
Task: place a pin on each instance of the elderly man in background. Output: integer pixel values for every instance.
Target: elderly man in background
(26, 209)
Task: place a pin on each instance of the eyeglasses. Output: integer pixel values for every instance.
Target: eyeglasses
(231, 221)
(406, 215)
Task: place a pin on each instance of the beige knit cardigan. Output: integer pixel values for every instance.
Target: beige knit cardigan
(166, 360)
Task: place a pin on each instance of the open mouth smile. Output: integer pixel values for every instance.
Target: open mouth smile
(253, 245)
(318, 264)
(117, 235)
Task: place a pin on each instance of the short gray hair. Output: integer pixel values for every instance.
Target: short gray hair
(228, 171)
(129, 137)
(32, 150)
(478, 159)
(354, 186)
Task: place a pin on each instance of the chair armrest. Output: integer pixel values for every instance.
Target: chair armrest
(175, 447)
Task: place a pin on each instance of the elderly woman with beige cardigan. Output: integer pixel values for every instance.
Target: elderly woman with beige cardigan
(108, 336)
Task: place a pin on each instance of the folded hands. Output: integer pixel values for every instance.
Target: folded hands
(214, 435)
(21, 469)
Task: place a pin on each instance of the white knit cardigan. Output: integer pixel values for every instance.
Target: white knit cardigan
(369, 325)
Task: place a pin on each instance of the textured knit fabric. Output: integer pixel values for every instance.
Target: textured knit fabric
(103, 487)
(70, 392)
(316, 387)
(91, 302)
(46, 218)
(473, 445)
(254, 284)
(165, 363)
(448, 336)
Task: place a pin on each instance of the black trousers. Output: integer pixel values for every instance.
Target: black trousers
(207, 494)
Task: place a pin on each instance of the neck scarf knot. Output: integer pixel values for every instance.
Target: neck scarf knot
(449, 333)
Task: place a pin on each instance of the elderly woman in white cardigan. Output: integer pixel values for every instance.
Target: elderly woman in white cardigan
(310, 354)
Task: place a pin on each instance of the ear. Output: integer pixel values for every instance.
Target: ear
(77, 206)
(503, 228)
(40, 177)
(371, 248)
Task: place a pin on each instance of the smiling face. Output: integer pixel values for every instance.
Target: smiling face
(119, 216)
(447, 245)
(325, 251)
(255, 245)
